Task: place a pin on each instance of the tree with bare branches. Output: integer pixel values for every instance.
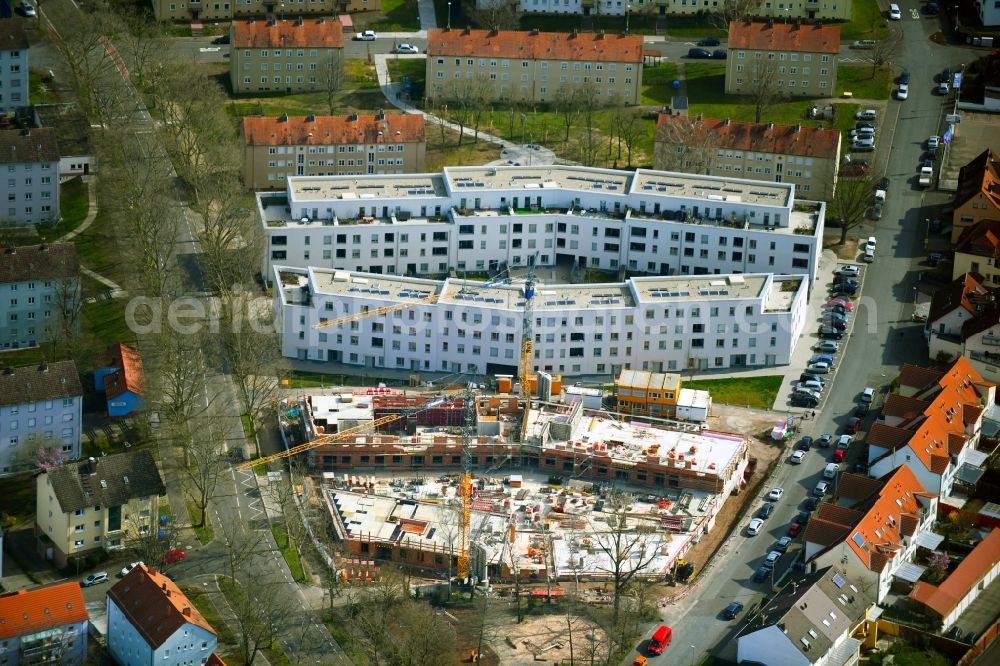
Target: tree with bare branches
(333, 77)
(205, 464)
(684, 144)
(850, 203)
(494, 14)
(886, 50)
(733, 10)
(763, 88)
(628, 549)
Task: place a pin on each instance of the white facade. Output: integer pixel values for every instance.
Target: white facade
(657, 324)
(189, 645)
(13, 78)
(479, 219)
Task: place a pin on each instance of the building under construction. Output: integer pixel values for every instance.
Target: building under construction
(538, 507)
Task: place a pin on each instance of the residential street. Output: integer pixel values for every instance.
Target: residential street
(883, 338)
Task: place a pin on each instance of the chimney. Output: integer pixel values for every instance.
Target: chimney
(798, 128)
(770, 126)
(8, 370)
(43, 247)
(352, 117)
(534, 31)
(187, 611)
(725, 123)
(43, 367)
(573, 34)
(468, 30)
(310, 119)
(600, 35)
(92, 466)
(283, 118)
(380, 115)
(299, 21)
(163, 586)
(26, 132)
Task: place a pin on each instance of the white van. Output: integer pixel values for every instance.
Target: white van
(831, 471)
(894, 12)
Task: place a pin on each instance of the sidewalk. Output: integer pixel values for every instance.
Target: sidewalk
(428, 19)
(218, 600)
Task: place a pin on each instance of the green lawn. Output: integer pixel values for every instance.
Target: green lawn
(867, 22)
(41, 93)
(657, 83)
(288, 552)
(358, 75)
(397, 16)
(414, 68)
(859, 81)
(758, 392)
(73, 204)
(706, 95)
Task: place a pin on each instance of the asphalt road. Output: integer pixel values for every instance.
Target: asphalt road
(883, 338)
(202, 50)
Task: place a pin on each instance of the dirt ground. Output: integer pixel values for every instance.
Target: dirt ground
(756, 424)
(548, 637)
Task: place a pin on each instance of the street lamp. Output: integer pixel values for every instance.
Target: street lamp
(449, 14)
(693, 652)
(914, 297)
(628, 8)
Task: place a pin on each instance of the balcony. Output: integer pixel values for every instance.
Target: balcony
(989, 358)
(991, 340)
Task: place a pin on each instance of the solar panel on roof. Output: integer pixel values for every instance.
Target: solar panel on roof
(838, 580)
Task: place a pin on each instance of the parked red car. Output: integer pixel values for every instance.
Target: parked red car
(853, 425)
(838, 456)
(794, 529)
(174, 555)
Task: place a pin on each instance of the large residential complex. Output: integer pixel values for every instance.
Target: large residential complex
(41, 407)
(275, 148)
(806, 156)
(807, 9)
(656, 323)
(44, 625)
(96, 504)
(788, 59)
(978, 195)
(513, 66)
(285, 56)
(484, 218)
(31, 158)
(152, 623)
(221, 10)
(39, 294)
(13, 65)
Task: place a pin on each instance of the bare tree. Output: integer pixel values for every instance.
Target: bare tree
(230, 239)
(66, 304)
(733, 10)
(242, 545)
(176, 364)
(628, 549)
(684, 144)
(886, 50)
(628, 129)
(427, 635)
(333, 77)
(152, 547)
(589, 103)
(494, 14)
(259, 614)
(566, 105)
(762, 89)
(850, 203)
(205, 464)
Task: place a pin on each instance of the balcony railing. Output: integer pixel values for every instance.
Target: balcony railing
(990, 358)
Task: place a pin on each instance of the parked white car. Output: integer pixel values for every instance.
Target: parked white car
(366, 36)
(796, 458)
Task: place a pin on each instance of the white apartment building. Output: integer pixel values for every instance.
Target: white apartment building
(29, 162)
(989, 12)
(480, 219)
(14, 90)
(648, 323)
(39, 294)
(39, 405)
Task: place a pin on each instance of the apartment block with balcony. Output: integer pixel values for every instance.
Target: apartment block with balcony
(41, 415)
(381, 143)
(14, 92)
(479, 219)
(44, 625)
(475, 328)
(96, 504)
(29, 160)
(285, 56)
(223, 10)
(806, 156)
(787, 59)
(518, 66)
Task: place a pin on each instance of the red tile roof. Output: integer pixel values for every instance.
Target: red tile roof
(756, 137)
(524, 45)
(154, 605)
(943, 598)
(966, 292)
(762, 36)
(981, 239)
(313, 33)
(30, 611)
(333, 130)
(980, 176)
(876, 538)
(903, 407)
(130, 375)
(918, 377)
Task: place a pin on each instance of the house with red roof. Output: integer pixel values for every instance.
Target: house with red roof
(151, 622)
(806, 156)
(977, 197)
(285, 56)
(44, 625)
(534, 66)
(785, 59)
(933, 427)
(123, 381)
(353, 144)
(871, 529)
(947, 601)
